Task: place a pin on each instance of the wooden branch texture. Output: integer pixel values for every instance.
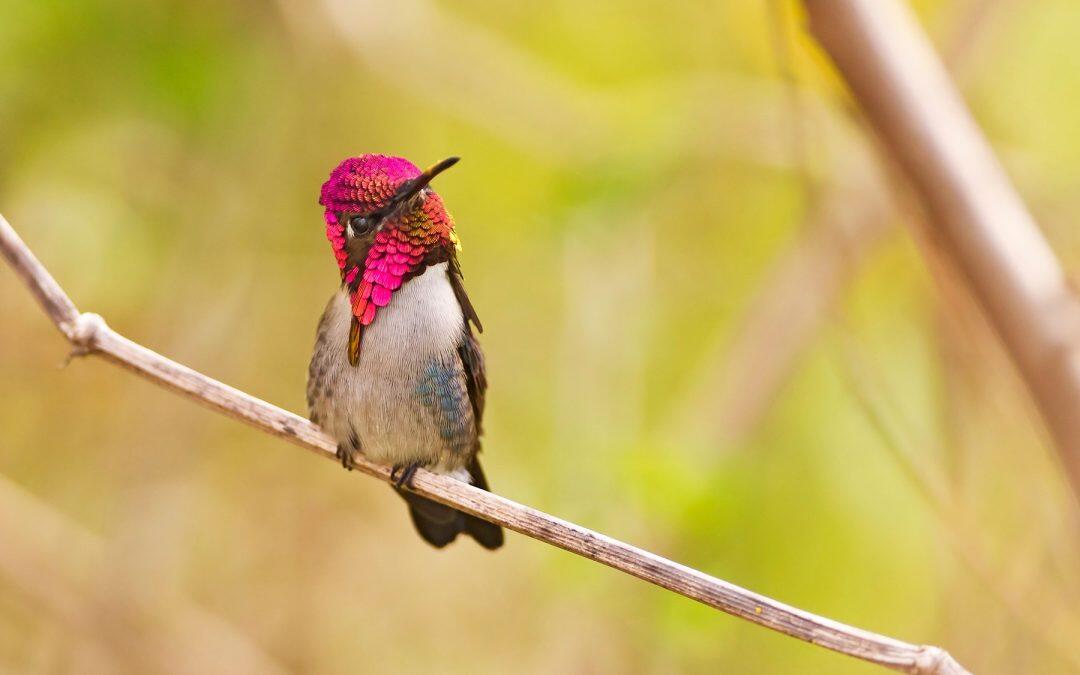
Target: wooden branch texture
(906, 94)
(90, 335)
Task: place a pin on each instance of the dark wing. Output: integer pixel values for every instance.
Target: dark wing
(459, 292)
(472, 359)
(488, 535)
(437, 523)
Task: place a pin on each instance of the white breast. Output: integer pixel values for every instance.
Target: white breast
(376, 400)
(422, 320)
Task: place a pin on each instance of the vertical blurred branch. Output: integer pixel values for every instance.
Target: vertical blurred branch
(849, 220)
(908, 98)
(740, 380)
(781, 45)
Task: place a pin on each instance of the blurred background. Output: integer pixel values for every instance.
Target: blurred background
(714, 329)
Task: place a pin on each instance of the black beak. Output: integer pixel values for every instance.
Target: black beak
(410, 189)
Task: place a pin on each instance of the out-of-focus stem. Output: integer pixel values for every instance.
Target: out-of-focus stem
(909, 99)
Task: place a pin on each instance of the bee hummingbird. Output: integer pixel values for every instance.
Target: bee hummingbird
(397, 374)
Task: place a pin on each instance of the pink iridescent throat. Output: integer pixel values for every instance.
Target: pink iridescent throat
(362, 185)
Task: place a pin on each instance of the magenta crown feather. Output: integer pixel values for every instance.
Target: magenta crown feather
(361, 186)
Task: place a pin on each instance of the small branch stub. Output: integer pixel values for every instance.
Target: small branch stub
(83, 334)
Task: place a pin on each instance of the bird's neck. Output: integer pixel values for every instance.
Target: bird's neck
(423, 316)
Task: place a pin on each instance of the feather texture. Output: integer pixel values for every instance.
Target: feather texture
(415, 395)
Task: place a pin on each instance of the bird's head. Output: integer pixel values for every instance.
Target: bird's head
(385, 224)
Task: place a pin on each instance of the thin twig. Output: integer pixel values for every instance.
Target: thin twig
(89, 334)
(797, 131)
(1037, 614)
(908, 97)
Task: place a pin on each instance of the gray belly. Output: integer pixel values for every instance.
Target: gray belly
(406, 400)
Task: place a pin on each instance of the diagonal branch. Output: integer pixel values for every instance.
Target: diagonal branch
(90, 335)
(983, 224)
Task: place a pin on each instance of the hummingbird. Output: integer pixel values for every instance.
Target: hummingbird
(397, 374)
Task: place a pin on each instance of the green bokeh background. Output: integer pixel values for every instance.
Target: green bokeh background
(635, 178)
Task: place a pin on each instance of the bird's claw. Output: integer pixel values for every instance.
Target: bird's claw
(407, 471)
(344, 455)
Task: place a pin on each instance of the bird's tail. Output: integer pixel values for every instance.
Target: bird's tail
(439, 524)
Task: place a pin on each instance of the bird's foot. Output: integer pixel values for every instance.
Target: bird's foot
(344, 455)
(404, 478)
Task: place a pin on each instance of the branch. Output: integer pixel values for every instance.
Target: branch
(847, 223)
(907, 96)
(90, 335)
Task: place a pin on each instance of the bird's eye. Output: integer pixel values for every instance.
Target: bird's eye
(361, 226)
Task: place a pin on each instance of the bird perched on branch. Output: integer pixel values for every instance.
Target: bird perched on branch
(397, 374)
